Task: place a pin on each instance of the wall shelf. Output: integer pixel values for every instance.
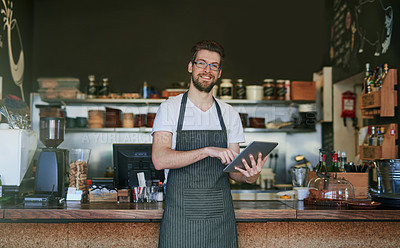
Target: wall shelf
(148, 130)
(158, 101)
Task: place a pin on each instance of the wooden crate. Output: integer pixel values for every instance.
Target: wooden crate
(382, 102)
(105, 197)
(302, 91)
(358, 180)
(388, 149)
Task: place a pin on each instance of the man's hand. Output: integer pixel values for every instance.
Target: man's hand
(251, 173)
(226, 155)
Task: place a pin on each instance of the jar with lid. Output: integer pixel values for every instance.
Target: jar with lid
(280, 89)
(226, 89)
(92, 88)
(104, 89)
(269, 89)
(240, 89)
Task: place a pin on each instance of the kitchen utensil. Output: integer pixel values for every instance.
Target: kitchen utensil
(299, 175)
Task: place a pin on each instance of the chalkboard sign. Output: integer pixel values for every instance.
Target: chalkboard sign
(364, 32)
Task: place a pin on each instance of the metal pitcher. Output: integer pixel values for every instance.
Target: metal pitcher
(299, 175)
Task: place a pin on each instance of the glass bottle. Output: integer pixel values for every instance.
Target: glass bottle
(145, 92)
(366, 86)
(321, 166)
(375, 136)
(343, 161)
(371, 136)
(381, 136)
(334, 162)
(92, 88)
(385, 72)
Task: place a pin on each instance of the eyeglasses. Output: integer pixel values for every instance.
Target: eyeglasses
(203, 65)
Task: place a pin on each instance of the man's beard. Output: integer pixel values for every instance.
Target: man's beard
(202, 87)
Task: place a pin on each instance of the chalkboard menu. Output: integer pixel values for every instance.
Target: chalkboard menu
(364, 32)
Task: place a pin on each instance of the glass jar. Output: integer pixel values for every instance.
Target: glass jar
(280, 90)
(240, 89)
(269, 89)
(226, 89)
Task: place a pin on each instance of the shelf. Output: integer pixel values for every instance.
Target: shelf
(158, 101)
(148, 130)
(382, 102)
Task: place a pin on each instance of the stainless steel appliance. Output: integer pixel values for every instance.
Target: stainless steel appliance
(51, 172)
(388, 193)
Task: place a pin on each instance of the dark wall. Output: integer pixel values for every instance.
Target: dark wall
(136, 41)
(22, 15)
(363, 32)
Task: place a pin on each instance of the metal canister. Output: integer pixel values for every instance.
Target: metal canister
(280, 89)
(92, 88)
(240, 89)
(269, 89)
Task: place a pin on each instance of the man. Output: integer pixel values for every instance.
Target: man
(194, 137)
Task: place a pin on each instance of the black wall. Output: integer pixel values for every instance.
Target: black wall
(135, 41)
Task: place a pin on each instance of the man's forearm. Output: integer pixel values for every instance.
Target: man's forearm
(171, 159)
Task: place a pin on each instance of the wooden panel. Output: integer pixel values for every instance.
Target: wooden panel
(81, 214)
(348, 214)
(249, 214)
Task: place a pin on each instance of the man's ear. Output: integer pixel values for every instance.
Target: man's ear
(220, 73)
(190, 67)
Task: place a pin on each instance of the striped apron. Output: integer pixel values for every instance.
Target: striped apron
(198, 209)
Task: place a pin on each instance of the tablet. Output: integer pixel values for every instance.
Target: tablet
(253, 148)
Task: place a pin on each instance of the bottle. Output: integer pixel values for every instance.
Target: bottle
(371, 136)
(145, 93)
(92, 88)
(321, 166)
(269, 89)
(378, 81)
(226, 89)
(104, 89)
(1, 188)
(385, 71)
(375, 136)
(287, 90)
(240, 89)
(334, 162)
(366, 78)
(343, 161)
(380, 137)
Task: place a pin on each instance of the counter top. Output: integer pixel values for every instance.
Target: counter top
(262, 210)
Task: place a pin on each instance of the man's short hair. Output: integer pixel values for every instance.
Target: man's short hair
(209, 45)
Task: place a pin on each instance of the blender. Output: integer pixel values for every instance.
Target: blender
(51, 172)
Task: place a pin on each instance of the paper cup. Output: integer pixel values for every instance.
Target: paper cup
(301, 192)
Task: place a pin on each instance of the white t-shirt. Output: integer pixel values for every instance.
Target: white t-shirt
(195, 119)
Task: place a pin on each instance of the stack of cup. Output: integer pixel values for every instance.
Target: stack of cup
(96, 118)
(127, 121)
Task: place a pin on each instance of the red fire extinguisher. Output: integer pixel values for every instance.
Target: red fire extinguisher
(348, 106)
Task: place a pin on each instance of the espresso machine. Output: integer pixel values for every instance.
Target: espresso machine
(51, 171)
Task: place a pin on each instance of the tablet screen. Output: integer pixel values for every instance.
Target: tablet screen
(253, 148)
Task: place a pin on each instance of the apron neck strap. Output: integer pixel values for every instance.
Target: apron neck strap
(183, 108)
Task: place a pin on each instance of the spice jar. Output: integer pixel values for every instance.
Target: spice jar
(226, 89)
(104, 89)
(92, 88)
(240, 89)
(280, 89)
(269, 89)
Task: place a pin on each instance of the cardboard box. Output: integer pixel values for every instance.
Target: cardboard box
(303, 91)
(358, 180)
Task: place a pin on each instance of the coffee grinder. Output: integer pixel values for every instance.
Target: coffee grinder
(51, 172)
